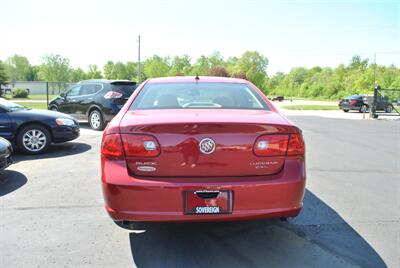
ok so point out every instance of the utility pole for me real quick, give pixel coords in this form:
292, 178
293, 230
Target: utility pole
374, 69
139, 61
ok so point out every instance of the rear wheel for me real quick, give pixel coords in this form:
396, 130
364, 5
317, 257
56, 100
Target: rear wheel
389, 108
33, 139
363, 108
345, 110
96, 120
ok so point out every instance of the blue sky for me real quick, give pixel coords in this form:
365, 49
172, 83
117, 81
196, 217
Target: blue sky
289, 33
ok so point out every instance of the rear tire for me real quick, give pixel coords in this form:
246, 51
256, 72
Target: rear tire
363, 108
96, 120
389, 108
346, 110
33, 139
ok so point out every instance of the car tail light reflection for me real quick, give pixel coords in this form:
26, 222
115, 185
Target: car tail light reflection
296, 145
113, 95
279, 145
140, 145
115, 145
271, 145
111, 146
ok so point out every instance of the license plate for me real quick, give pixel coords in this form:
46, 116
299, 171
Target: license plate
208, 202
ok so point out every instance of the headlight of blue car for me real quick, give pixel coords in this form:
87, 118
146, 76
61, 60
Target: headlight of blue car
65, 122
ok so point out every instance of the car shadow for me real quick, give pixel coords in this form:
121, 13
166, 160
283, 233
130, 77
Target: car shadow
54, 151
85, 125
318, 237
10, 181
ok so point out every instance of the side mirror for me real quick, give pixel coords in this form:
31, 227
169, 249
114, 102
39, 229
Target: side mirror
63, 95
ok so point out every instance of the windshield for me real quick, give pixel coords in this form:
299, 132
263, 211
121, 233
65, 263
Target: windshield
198, 95
10, 106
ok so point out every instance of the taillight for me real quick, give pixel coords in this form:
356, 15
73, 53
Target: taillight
113, 95
296, 145
279, 145
140, 145
111, 146
271, 145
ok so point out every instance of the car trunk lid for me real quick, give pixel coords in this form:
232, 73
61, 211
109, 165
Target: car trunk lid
180, 133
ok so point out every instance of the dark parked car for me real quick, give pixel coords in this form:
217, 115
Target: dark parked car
5, 153
278, 98
361, 103
96, 101
32, 130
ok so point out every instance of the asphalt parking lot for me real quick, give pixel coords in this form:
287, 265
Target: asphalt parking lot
52, 214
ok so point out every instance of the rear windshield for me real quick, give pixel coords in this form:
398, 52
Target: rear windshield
198, 95
353, 97
126, 89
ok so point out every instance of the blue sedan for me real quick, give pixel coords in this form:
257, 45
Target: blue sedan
33, 131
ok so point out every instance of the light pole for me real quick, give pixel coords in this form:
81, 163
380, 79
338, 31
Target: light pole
139, 60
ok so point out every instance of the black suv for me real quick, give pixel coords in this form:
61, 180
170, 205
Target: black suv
96, 101
361, 103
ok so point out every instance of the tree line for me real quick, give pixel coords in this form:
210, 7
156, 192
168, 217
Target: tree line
358, 76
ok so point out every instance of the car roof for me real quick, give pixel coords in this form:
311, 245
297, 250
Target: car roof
103, 81
202, 79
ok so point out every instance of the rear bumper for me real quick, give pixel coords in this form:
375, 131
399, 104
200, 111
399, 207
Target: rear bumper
5, 162
349, 107
162, 199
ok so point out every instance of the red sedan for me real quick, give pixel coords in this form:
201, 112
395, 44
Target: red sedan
201, 149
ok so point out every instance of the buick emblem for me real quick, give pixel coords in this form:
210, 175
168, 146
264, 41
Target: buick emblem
207, 146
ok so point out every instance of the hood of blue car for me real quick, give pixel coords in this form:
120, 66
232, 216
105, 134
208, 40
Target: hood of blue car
42, 113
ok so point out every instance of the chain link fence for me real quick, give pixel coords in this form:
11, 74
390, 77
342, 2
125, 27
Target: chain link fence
38, 87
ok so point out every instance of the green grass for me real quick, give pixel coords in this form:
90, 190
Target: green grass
314, 99
31, 97
34, 105
41, 97
311, 107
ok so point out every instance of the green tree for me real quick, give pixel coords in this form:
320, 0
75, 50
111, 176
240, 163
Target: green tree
54, 68
156, 66
180, 65
18, 68
94, 72
109, 70
131, 70
3, 74
254, 66
77, 75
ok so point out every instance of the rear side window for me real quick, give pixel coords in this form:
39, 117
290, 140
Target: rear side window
89, 89
198, 95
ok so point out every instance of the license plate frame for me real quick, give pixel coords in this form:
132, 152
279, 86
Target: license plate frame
196, 205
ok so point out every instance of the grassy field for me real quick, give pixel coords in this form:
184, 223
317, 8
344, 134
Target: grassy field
311, 107
34, 105
31, 97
